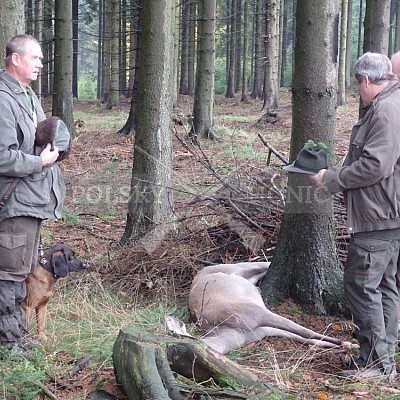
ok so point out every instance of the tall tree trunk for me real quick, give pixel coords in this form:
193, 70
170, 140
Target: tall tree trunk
123, 35
342, 55
231, 57
12, 21
202, 126
63, 49
271, 83
107, 49
349, 46
227, 37
245, 77
397, 31
113, 13
29, 17
100, 52
175, 8
257, 92
280, 36
133, 34
38, 32
150, 204
392, 25
131, 123
184, 70
376, 26
75, 38
239, 45
361, 13
192, 47
287, 43
48, 48
305, 266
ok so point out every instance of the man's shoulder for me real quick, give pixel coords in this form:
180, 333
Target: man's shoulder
391, 102
8, 84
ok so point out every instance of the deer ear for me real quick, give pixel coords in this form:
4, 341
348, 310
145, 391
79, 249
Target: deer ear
59, 264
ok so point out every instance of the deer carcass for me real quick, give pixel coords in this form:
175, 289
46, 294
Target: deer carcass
228, 306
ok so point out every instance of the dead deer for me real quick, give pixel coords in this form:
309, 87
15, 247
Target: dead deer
227, 304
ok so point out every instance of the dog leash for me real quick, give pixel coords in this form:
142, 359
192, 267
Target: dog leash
8, 192
41, 248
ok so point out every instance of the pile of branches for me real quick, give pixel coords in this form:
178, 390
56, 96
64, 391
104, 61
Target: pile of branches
240, 221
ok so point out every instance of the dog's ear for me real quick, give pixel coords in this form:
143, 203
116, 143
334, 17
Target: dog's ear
59, 263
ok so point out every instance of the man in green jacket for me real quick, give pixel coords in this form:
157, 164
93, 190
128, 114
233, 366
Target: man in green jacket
40, 190
370, 180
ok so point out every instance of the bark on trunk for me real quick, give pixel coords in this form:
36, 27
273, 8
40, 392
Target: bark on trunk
305, 266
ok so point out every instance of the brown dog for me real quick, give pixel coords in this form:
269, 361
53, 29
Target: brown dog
57, 262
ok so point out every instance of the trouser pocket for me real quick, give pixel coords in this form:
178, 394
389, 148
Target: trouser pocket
12, 256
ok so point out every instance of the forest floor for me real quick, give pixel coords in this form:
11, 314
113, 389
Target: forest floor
98, 180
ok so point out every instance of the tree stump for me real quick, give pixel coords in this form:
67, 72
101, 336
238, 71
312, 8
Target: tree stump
143, 365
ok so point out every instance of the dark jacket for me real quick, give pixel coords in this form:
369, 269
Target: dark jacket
40, 192
370, 175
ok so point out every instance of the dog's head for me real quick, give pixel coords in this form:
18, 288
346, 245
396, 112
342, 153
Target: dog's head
61, 260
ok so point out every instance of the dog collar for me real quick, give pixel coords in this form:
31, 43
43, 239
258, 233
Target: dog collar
45, 263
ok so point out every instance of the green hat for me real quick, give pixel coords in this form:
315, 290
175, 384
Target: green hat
309, 161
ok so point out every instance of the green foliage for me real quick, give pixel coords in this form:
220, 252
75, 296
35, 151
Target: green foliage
87, 87
220, 75
225, 131
236, 118
293, 311
310, 144
287, 70
243, 151
69, 217
21, 377
223, 380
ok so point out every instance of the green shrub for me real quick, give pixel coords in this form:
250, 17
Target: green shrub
22, 378
87, 87
220, 76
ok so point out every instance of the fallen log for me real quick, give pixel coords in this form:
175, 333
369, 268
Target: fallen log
143, 365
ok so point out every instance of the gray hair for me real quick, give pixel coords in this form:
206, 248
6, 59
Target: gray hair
374, 65
18, 44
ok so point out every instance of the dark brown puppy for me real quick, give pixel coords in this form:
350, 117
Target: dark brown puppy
57, 262
46, 133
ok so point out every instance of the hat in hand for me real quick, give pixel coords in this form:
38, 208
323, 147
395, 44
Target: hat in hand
309, 161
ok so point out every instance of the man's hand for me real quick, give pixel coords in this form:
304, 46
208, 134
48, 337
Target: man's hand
49, 156
317, 178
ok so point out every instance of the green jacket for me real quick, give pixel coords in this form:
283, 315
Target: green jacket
40, 191
370, 175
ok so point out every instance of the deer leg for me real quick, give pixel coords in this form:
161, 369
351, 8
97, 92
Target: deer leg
273, 320
223, 340
264, 332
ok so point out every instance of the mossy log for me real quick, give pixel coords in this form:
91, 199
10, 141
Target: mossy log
144, 362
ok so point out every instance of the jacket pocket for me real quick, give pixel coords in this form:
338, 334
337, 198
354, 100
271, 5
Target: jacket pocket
12, 253
356, 149
34, 190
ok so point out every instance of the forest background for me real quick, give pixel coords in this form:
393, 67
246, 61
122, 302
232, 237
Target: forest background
238, 79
